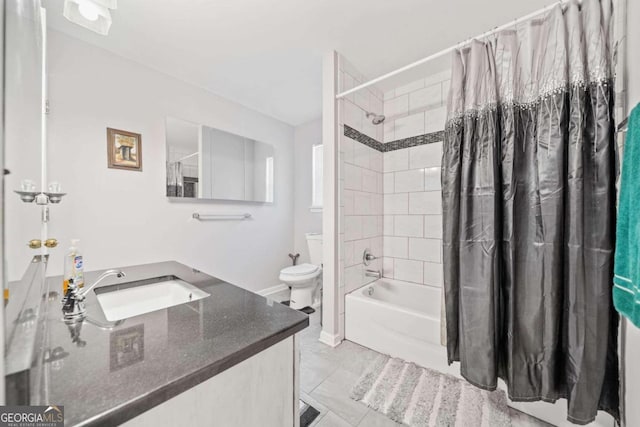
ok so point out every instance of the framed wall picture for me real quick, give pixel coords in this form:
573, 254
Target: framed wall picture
124, 150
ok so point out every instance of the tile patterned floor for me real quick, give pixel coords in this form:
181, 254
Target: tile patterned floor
328, 374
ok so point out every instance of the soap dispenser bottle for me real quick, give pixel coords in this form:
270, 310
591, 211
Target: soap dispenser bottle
73, 267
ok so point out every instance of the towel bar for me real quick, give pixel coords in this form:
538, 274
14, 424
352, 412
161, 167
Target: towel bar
205, 217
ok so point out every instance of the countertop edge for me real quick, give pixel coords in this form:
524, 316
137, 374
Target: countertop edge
143, 403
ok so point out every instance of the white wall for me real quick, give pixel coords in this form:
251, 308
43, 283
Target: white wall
632, 368
305, 221
123, 217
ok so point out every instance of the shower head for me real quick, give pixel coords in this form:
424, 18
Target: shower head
377, 118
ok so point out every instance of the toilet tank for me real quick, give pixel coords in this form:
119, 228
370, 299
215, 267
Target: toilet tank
314, 243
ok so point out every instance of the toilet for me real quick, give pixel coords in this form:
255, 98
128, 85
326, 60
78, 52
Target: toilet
304, 279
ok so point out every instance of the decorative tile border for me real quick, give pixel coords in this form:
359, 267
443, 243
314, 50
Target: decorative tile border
427, 138
364, 139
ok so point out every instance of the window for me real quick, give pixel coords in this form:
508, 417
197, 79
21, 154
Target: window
316, 159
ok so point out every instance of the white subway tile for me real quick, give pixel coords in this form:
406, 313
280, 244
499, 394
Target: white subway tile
376, 160
388, 186
347, 83
352, 177
387, 267
433, 274
379, 181
369, 129
396, 106
377, 204
353, 278
396, 247
349, 258
346, 148
438, 77
435, 119
375, 104
352, 228
362, 99
376, 246
389, 94
361, 155
388, 229
352, 115
433, 226
396, 204
369, 181
362, 203
389, 131
446, 86
431, 179
408, 270
408, 225
425, 156
413, 125
425, 203
380, 228
426, 97
410, 87
424, 249
379, 133
369, 226
397, 160
348, 202
409, 180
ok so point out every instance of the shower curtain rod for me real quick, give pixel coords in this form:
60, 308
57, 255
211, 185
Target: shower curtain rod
448, 50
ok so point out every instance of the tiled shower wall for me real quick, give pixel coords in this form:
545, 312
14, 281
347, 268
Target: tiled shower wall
413, 214
412, 194
390, 201
416, 108
361, 185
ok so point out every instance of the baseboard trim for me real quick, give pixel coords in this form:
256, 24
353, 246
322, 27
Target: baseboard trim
330, 340
272, 291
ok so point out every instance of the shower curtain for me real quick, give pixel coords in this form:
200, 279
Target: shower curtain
528, 194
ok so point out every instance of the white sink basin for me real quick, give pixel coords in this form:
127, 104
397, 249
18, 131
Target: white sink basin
133, 301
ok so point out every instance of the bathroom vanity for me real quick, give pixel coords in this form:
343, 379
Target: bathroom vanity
229, 358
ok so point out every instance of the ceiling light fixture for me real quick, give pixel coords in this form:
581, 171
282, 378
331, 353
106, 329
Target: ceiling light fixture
93, 15
88, 10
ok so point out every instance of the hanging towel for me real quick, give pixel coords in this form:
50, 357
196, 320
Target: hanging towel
626, 280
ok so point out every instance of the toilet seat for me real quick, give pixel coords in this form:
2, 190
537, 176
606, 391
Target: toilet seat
297, 274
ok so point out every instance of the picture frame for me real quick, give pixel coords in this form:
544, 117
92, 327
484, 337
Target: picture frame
124, 150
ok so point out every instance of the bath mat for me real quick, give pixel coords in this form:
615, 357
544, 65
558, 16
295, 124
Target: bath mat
421, 397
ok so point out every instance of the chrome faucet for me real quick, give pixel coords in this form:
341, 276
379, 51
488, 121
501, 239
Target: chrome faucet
73, 302
373, 273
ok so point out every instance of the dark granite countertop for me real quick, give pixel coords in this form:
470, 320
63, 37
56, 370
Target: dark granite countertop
106, 376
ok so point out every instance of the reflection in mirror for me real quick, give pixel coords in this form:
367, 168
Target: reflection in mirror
208, 163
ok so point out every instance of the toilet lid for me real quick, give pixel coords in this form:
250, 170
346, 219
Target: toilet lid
300, 270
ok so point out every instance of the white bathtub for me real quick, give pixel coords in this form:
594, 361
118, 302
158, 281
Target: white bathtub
402, 319
398, 318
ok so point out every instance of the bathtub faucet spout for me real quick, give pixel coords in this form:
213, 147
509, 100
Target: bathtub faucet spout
373, 273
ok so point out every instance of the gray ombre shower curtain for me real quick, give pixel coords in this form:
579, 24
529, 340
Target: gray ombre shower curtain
528, 178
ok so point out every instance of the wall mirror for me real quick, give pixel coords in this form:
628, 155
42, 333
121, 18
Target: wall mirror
208, 163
